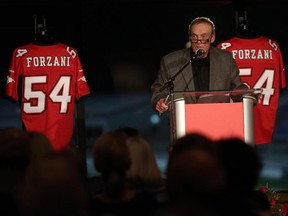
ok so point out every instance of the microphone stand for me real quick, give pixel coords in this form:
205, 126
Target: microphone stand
170, 84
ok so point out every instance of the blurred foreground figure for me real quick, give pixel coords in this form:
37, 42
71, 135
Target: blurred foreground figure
196, 180
14, 160
55, 185
112, 159
144, 173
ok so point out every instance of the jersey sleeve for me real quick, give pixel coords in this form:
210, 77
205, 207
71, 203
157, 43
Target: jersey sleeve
13, 77
82, 87
282, 83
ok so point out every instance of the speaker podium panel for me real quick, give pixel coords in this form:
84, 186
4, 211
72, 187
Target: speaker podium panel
220, 114
216, 121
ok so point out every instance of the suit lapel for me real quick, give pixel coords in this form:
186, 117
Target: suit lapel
188, 80
213, 70
186, 74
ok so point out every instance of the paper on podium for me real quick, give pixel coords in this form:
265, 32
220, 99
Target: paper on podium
210, 98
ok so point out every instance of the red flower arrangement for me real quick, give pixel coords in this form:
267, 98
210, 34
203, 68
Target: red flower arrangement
277, 208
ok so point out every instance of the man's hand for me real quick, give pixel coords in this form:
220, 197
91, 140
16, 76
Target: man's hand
161, 106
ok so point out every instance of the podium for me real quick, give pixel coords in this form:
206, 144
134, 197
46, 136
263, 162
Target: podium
215, 114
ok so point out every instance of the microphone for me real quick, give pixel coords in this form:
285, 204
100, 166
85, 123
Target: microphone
198, 54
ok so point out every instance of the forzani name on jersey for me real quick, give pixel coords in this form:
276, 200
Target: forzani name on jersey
252, 54
48, 61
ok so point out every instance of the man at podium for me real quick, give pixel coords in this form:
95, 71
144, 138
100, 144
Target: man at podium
199, 67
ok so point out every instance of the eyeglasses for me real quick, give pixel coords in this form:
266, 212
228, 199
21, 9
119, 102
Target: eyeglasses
205, 40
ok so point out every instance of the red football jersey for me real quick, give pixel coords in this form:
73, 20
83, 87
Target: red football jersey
51, 80
261, 66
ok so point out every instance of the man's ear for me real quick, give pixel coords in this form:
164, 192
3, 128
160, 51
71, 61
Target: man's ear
213, 38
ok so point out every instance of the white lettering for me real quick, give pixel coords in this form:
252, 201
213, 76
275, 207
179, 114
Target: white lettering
42, 61
36, 62
29, 59
252, 54
56, 62
48, 61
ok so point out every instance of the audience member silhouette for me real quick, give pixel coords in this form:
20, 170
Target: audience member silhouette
112, 159
14, 160
54, 185
203, 177
242, 165
144, 173
195, 178
39, 146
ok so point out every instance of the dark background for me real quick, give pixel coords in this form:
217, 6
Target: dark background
120, 44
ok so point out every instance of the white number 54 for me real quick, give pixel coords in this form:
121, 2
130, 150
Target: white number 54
265, 82
59, 94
